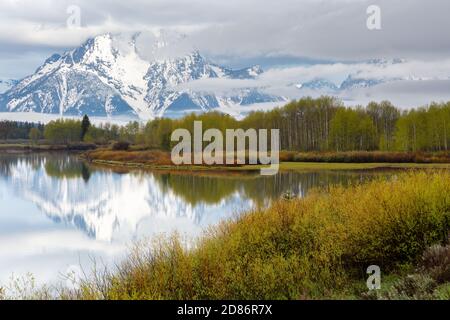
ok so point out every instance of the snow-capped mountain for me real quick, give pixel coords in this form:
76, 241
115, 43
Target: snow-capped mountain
355, 80
349, 83
6, 84
126, 75
319, 84
352, 82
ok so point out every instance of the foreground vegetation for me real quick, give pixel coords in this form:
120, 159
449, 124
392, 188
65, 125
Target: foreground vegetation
315, 247
311, 248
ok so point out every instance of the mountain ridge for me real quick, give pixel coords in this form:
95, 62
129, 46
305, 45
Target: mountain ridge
109, 75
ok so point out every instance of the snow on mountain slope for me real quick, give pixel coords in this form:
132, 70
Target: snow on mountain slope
356, 79
318, 84
115, 75
352, 82
6, 84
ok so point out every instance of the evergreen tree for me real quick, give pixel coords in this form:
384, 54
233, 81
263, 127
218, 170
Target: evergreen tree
85, 124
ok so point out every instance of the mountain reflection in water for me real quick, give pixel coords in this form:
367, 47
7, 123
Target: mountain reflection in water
54, 205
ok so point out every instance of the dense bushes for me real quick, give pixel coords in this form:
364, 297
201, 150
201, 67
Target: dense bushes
436, 262
431, 280
366, 157
301, 248
121, 145
144, 157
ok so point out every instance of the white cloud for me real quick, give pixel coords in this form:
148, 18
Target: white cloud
279, 80
332, 30
405, 94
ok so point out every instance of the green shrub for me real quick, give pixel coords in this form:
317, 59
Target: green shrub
121, 146
436, 262
314, 247
413, 287
367, 157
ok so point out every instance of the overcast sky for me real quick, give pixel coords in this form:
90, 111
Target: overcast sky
275, 33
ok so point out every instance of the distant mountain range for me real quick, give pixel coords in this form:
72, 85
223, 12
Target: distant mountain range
134, 76
353, 81
109, 76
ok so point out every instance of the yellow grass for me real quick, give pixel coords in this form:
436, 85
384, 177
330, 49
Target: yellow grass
316, 247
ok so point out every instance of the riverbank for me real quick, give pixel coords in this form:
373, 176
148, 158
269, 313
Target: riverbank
28, 147
312, 248
367, 157
160, 160
317, 247
138, 157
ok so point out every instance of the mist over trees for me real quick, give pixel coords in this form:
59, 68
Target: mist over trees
322, 124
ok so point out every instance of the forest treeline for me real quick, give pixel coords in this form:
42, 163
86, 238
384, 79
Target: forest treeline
17, 130
322, 124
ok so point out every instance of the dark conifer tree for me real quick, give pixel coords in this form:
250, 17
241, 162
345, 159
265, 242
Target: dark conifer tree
85, 124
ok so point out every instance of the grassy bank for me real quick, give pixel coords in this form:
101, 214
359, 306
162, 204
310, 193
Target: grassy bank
147, 157
312, 248
156, 159
316, 166
366, 157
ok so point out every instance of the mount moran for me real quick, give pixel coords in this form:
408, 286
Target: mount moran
115, 75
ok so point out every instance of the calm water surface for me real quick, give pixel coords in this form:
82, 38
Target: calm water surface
57, 213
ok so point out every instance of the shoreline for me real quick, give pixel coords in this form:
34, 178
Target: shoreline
29, 148
284, 166
286, 242
160, 160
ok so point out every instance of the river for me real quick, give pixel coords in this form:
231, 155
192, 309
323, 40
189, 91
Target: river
58, 214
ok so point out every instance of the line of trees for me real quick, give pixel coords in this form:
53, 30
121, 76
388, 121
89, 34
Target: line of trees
325, 124
322, 124
18, 130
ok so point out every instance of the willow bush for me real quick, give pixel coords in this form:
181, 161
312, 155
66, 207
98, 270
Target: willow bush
314, 247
